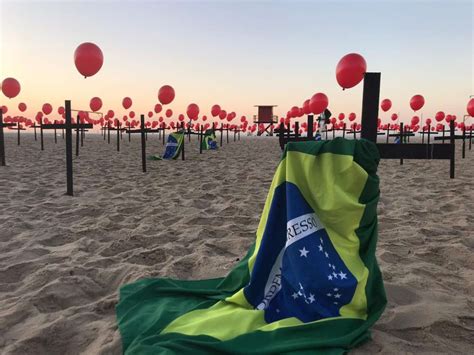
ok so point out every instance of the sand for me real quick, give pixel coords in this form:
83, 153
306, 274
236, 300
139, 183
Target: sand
63, 259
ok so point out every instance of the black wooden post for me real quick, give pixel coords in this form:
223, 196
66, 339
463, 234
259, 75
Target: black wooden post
2, 140
69, 183
297, 129
310, 126
463, 143
401, 139
164, 133
55, 136
429, 133
142, 133
34, 127
200, 139
83, 133
77, 136
326, 132
344, 130
182, 151
370, 106
470, 138
118, 136
108, 132
41, 133
222, 132
129, 133
388, 132
453, 151
62, 132
227, 132
18, 128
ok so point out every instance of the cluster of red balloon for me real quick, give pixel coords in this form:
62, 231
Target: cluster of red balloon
21, 120
350, 71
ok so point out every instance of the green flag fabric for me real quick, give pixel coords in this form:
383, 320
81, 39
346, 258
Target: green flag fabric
173, 147
209, 140
309, 284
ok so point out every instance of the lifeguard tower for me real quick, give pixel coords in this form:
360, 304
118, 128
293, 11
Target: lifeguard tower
265, 116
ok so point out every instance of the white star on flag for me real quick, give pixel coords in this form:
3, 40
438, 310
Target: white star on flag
311, 298
330, 277
337, 295
304, 252
326, 253
320, 247
294, 295
342, 275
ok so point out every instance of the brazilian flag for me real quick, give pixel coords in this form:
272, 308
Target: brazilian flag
209, 140
173, 147
309, 284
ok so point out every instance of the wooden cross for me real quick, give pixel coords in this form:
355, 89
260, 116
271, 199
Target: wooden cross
454, 136
2, 138
68, 126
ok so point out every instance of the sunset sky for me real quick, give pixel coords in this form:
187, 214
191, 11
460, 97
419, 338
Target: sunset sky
238, 53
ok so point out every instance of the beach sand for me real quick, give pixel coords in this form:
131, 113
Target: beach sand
64, 258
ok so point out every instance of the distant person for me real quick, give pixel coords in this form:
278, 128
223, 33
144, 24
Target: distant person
323, 120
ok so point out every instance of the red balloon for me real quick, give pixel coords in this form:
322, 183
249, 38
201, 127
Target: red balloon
158, 108
352, 116
386, 105
394, 117
22, 107
126, 103
88, 59
131, 114
169, 113
439, 116
341, 117
10, 87
215, 110
318, 103
192, 111
295, 111
181, 117
306, 108
160, 119
350, 70
47, 109
110, 113
415, 120
166, 94
95, 104
222, 114
417, 102
428, 121
470, 107
204, 118
4, 109
150, 114
61, 110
